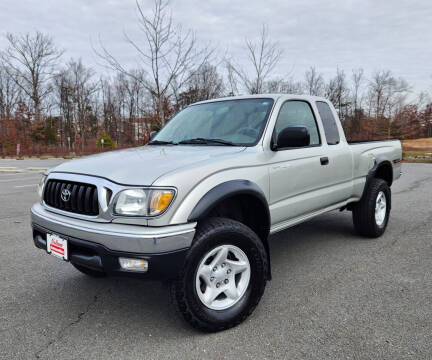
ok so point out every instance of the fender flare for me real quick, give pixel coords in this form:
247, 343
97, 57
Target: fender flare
229, 189
223, 191
380, 162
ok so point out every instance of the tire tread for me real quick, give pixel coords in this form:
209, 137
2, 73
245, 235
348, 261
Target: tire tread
364, 210
179, 297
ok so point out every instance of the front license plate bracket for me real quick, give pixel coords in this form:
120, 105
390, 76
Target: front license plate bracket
57, 246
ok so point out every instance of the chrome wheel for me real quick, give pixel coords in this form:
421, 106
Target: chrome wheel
380, 208
222, 277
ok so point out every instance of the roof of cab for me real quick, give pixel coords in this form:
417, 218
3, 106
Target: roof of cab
266, 96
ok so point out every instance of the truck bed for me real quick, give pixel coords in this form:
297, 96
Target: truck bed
365, 153
356, 142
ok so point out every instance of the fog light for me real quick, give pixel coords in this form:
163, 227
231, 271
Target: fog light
134, 264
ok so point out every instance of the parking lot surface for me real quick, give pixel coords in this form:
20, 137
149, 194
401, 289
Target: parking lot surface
334, 295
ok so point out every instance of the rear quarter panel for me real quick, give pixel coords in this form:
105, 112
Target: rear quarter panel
365, 154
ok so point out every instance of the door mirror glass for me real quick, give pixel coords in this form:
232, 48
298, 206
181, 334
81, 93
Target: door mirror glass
293, 136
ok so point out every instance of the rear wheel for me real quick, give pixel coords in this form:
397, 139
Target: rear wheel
224, 276
371, 213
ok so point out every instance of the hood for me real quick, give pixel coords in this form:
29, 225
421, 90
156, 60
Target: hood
143, 165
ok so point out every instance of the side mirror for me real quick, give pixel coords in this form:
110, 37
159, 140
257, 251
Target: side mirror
296, 136
152, 135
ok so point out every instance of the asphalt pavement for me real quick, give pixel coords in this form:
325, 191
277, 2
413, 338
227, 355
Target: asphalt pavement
334, 295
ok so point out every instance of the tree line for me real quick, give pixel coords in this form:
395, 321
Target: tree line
52, 105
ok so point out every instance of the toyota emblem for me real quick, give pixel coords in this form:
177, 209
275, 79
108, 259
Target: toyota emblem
65, 195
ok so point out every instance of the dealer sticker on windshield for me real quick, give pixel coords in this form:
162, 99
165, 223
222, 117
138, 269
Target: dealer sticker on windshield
57, 246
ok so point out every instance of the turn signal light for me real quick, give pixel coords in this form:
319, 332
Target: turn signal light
160, 201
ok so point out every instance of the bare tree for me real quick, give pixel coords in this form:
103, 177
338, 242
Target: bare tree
385, 94
168, 54
357, 78
384, 91
356, 111
75, 88
314, 82
63, 92
284, 86
9, 100
85, 87
10, 94
133, 93
337, 92
30, 60
428, 119
263, 57
111, 112
204, 84
231, 79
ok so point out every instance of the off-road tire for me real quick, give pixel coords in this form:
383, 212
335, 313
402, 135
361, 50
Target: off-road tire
364, 211
211, 233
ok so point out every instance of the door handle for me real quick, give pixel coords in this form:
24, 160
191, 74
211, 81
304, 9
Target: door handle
324, 160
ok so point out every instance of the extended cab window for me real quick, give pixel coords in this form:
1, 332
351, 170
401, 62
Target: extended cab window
297, 113
329, 123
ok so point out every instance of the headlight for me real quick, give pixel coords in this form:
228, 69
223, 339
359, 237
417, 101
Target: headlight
131, 202
41, 185
142, 202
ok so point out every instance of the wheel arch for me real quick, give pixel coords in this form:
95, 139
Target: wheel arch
240, 200
382, 169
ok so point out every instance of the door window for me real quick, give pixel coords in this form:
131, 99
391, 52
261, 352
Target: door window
297, 113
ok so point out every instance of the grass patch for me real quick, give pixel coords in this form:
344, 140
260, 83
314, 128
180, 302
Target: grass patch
417, 156
418, 145
423, 161
417, 150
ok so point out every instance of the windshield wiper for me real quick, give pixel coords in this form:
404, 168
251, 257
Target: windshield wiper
162, 142
207, 141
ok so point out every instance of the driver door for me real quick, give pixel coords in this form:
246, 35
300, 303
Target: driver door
296, 186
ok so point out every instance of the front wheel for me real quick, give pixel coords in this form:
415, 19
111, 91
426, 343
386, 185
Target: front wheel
224, 276
371, 213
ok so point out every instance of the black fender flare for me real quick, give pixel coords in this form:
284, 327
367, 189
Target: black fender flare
229, 189
223, 191
380, 162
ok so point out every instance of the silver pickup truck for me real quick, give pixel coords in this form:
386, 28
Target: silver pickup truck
196, 205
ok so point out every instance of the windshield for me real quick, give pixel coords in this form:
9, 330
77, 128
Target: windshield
230, 122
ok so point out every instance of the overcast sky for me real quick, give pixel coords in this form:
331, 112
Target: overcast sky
372, 34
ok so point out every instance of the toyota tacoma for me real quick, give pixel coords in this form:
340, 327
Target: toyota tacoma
197, 204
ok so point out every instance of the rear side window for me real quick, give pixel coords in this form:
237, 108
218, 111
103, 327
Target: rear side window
329, 123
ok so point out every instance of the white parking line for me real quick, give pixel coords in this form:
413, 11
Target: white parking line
22, 186
11, 174
18, 179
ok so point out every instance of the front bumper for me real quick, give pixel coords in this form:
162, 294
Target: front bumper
98, 245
